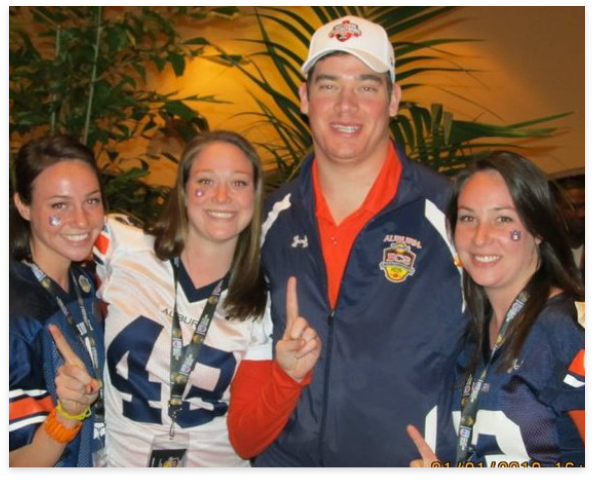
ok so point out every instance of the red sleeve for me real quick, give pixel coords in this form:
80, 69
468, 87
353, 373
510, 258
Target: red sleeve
579, 418
263, 397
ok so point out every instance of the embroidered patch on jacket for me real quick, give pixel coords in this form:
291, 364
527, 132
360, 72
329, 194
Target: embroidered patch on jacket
399, 259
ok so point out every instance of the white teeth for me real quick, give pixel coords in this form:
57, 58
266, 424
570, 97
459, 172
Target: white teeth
77, 238
221, 214
485, 259
345, 129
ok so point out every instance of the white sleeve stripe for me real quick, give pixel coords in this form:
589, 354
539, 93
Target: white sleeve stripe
278, 207
29, 393
25, 423
573, 382
431, 428
437, 218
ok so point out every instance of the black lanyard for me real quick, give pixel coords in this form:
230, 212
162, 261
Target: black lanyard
472, 389
183, 359
83, 330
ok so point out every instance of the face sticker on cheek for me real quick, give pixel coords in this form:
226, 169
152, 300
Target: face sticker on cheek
55, 220
199, 192
515, 235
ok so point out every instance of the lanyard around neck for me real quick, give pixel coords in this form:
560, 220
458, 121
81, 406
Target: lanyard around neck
183, 359
473, 389
83, 330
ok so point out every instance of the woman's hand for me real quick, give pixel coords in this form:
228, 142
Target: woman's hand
75, 388
428, 458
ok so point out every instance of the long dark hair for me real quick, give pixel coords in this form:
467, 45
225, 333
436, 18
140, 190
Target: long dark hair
33, 158
540, 213
246, 296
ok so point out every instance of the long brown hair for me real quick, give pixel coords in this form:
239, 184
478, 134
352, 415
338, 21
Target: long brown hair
539, 212
33, 158
246, 296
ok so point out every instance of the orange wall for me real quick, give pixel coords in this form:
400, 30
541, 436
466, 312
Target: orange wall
531, 62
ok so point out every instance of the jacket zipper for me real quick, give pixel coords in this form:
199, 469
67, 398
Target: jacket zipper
329, 347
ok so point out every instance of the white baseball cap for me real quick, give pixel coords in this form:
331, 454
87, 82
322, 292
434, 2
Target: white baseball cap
361, 38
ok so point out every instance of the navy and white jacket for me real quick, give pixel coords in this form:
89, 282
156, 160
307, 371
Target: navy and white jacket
390, 345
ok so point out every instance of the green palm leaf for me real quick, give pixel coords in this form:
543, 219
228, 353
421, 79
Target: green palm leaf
429, 135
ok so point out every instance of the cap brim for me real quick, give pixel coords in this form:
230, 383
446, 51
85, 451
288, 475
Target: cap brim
369, 60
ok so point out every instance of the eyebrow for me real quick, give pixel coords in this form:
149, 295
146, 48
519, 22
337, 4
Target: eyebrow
363, 77
94, 192
497, 209
242, 172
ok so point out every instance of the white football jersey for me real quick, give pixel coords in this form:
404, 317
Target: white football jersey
139, 291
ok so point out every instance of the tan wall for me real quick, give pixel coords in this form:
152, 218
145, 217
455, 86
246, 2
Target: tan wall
531, 62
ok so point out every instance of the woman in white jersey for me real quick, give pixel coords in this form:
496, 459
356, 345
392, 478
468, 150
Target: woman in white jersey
186, 304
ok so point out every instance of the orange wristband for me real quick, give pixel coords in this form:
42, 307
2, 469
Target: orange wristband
54, 428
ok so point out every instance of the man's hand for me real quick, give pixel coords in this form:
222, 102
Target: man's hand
299, 349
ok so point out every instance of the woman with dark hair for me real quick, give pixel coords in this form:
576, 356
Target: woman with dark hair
186, 304
55, 218
521, 388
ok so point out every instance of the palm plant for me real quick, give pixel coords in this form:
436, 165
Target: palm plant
83, 71
428, 134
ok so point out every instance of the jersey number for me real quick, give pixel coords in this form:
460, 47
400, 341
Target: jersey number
137, 341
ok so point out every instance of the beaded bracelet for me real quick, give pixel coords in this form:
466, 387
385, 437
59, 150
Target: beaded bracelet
57, 431
65, 414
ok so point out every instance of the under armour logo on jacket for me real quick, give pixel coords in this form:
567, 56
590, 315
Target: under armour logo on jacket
302, 242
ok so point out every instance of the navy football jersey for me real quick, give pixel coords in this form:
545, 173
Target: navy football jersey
522, 417
34, 359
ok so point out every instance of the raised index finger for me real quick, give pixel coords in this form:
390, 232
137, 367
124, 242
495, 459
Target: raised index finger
292, 303
70, 358
423, 447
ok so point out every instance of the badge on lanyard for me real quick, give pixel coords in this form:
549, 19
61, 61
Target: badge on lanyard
167, 452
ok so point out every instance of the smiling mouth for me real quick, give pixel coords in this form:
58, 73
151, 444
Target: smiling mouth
486, 258
345, 128
77, 238
221, 215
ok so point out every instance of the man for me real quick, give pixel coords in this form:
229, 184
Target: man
363, 231
571, 194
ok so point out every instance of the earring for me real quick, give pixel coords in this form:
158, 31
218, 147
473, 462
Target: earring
54, 220
458, 262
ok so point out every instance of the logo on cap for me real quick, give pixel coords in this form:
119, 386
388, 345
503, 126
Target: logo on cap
345, 30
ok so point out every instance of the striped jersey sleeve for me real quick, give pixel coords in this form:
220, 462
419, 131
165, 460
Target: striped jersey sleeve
29, 400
